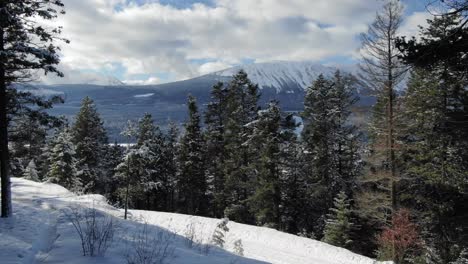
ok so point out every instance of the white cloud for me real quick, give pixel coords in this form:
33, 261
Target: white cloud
410, 24
153, 38
210, 67
150, 80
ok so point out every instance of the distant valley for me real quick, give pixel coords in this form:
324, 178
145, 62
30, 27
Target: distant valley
118, 102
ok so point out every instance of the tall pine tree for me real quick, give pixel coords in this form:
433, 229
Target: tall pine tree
91, 141
192, 185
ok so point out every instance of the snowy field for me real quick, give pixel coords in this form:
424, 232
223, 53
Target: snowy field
41, 232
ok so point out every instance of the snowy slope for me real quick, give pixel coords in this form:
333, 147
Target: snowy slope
39, 232
281, 74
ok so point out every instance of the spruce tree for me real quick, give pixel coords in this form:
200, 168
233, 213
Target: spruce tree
339, 225
62, 162
215, 121
435, 132
30, 173
241, 109
192, 185
434, 164
331, 144
151, 137
170, 166
25, 46
91, 141
294, 182
266, 139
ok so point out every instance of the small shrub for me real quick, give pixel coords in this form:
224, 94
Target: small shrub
238, 247
147, 247
96, 230
219, 233
399, 240
195, 240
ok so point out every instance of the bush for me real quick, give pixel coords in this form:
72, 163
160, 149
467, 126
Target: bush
238, 247
219, 233
195, 240
150, 247
96, 230
400, 240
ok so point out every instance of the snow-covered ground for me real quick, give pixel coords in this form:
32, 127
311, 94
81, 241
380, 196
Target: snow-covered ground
40, 232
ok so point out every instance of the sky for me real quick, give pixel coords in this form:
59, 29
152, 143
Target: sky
157, 41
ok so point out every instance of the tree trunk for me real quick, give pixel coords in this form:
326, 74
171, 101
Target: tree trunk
4, 155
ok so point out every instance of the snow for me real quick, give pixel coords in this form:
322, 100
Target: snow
40, 232
143, 95
281, 73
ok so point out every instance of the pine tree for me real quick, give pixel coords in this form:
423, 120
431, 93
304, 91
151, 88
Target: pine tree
192, 184
25, 45
339, 224
152, 160
331, 143
170, 165
114, 155
294, 182
436, 135
124, 173
62, 162
91, 141
434, 167
29, 126
30, 173
266, 139
241, 109
215, 121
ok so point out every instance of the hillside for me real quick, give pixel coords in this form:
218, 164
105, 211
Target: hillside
40, 232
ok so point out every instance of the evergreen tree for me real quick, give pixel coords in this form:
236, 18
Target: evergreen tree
124, 173
266, 138
331, 143
114, 155
90, 139
152, 160
339, 225
435, 168
215, 120
62, 162
29, 125
241, 109
192, 184
25, 46
170, 166
435, 132
30, 173
294, 184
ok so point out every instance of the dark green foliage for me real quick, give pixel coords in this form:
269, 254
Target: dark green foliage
241, 109
215, 120
191, 183
90, 139
266, 139
331, 144
339, 224
435, 167
25, 46
62, 161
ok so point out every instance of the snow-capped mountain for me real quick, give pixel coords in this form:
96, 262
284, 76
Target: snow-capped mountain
281, 75
107, 80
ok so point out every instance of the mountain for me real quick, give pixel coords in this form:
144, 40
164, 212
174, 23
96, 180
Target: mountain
282, 81
281, 75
